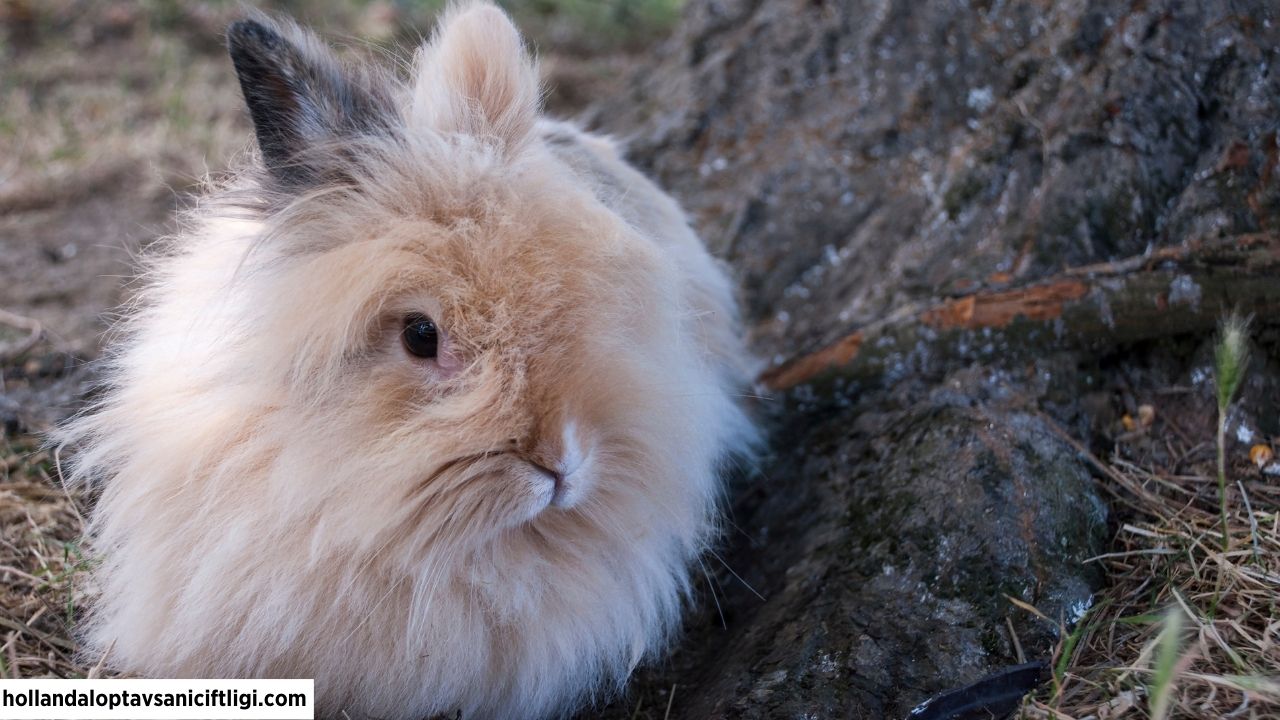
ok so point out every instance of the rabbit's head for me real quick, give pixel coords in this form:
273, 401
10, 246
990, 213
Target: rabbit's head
433, 365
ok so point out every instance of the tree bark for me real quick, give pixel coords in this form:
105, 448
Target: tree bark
966, 232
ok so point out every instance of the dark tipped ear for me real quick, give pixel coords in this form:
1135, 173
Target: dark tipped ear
301, 99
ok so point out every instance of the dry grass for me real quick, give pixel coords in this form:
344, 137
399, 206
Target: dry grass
1167, 557
40, 560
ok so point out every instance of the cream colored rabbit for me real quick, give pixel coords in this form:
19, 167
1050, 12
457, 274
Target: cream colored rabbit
429, 403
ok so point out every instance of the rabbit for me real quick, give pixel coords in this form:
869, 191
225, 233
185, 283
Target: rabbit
431, 401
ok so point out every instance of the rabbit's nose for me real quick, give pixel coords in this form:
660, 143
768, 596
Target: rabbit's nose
559, 488
555, 475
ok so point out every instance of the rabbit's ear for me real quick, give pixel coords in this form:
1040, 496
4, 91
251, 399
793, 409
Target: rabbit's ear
301, 98
476, 78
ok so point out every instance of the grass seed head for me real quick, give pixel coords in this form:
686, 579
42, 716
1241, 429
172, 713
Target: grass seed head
1230, 357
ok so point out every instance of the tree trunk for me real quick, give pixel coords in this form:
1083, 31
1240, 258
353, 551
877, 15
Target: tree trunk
946, 217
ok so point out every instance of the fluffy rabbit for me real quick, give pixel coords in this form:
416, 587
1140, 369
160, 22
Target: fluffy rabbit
428, 403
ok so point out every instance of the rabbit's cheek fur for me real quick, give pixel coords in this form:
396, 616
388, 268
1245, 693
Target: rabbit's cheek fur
504, 530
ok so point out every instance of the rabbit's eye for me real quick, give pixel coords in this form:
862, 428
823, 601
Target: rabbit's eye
420, 336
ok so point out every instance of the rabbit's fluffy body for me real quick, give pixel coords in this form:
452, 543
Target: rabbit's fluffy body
505, 530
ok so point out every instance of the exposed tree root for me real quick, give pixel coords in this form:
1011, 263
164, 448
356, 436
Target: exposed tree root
1172, 290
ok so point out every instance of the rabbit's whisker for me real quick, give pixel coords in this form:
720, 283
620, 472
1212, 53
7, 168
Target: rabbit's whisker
463, 461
